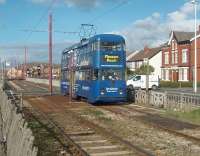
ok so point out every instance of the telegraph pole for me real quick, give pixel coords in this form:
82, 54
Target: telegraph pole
146, 60
195, 2
50, 53
25, 61
195, 51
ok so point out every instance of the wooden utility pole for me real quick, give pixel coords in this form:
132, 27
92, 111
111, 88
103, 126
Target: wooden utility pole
50, 53
25, 61
146, 61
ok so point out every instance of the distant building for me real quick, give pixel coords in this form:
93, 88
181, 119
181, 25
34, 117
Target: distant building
14, 73
176, 57
41, 70
153, 54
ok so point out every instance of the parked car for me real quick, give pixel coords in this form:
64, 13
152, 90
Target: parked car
139, 81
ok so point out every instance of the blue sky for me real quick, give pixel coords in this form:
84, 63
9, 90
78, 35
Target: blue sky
141, 22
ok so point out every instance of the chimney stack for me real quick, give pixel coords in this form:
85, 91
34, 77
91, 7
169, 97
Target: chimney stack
198, 31
146, 49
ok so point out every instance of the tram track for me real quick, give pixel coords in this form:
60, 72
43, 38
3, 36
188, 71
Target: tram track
57, 105
105, 136
67, 143
155, 121
30, 115
91, 139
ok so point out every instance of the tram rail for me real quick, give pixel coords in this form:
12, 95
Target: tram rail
119, 110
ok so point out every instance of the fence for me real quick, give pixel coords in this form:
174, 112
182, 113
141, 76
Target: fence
16, 138
168, 100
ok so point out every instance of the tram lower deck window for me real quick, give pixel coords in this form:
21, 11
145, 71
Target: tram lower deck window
111, 74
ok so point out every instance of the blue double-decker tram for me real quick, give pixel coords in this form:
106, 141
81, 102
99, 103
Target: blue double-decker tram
95, 68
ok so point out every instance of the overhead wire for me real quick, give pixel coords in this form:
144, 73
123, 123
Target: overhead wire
108, 11
31, 31
40, 19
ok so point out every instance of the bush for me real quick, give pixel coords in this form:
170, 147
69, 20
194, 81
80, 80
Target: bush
169, 84
144, 69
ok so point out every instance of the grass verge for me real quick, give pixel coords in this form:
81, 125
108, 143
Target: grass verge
192, 117
97, 114
44, 140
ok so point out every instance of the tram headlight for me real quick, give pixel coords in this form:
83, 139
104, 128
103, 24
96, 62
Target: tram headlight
102, 91
120, 91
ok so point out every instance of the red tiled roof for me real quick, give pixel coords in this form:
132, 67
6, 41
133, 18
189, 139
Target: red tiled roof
148, 53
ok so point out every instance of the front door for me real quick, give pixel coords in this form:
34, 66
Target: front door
175, 75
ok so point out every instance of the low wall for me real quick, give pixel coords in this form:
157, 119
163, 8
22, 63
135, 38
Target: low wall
15, 137
168, 100
55, 83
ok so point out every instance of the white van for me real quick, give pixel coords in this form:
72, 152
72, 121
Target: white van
139, 81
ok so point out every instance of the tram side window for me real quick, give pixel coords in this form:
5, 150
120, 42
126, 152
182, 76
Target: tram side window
83, 75
111, 46
67, 75
95, 74
94, 46
63, 60
87, 75
63, 76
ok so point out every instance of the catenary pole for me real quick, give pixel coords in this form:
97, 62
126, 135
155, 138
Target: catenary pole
195, 50
25, 61
50, 53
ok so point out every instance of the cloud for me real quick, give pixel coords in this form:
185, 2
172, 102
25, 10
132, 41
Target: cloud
155, 29
83, 4
87, 4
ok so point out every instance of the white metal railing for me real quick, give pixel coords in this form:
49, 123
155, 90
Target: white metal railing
168, 100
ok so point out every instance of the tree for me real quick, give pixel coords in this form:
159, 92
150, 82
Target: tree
143, 70
129, 72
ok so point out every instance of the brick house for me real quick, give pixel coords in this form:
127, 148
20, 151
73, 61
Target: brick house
198, 56
153, 54
176, 57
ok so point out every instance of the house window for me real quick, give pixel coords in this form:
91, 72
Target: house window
183, 74
165, 74
166, 58
173, 55
184, 56
176, 57
180, 74
175, 45
172, 44
136, 65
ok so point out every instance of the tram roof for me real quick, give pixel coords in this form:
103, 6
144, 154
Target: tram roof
108, 37
104, 37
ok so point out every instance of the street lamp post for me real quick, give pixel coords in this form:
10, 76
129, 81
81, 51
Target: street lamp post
194, 2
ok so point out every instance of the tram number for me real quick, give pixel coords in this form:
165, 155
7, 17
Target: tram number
111, 90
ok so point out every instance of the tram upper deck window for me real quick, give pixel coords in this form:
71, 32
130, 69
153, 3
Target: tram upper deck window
111, 46
95, 46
